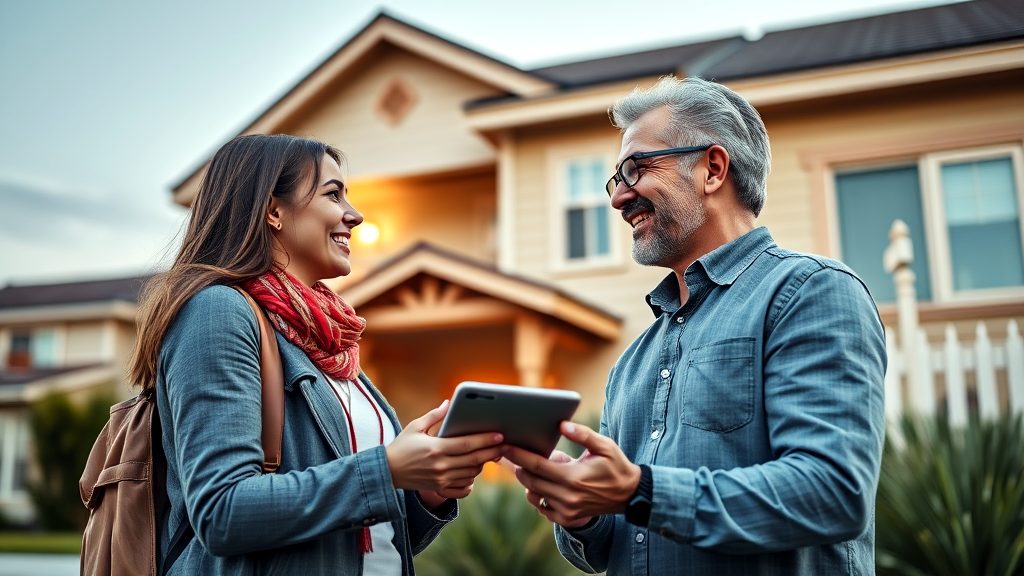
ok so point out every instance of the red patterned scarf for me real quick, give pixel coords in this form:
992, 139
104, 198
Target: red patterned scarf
314, 319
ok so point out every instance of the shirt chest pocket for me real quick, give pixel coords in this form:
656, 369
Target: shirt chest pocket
718, 386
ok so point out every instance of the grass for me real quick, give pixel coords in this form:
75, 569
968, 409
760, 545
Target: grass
41, 542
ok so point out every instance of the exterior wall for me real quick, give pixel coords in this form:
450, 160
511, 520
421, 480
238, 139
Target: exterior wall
432, 137
455, 211
619, 287
807, 142
84, 343
417, 370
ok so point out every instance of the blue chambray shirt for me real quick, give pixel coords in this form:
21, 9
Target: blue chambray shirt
759, 407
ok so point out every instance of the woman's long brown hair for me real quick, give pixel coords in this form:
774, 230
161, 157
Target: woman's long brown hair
228, 239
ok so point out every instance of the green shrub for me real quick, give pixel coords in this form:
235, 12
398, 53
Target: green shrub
497, 534
63, 434
951, 500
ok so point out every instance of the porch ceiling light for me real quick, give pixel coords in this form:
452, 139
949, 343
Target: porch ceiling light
367, 233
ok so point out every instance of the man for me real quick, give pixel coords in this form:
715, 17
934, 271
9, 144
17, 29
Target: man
742, 431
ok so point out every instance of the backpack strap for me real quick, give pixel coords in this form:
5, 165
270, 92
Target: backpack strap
272, 377
272, 407
182, 536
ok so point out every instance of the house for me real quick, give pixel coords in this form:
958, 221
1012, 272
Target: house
69, 338
492, 253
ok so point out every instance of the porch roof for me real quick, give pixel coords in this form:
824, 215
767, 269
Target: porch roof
463, 274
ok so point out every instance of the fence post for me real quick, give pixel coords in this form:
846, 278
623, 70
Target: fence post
1015, 366
985, 368
897, 260
956, 389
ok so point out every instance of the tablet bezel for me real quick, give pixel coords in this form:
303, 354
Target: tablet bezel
527, 417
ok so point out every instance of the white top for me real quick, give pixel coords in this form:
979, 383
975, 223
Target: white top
384, 560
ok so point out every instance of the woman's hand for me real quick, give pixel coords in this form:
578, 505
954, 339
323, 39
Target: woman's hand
447, 466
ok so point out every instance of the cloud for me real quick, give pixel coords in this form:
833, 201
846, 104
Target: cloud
46, 232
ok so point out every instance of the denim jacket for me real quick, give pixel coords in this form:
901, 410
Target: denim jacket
759, 407
303, 519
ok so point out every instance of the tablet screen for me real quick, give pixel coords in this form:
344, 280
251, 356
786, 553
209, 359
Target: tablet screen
527, 417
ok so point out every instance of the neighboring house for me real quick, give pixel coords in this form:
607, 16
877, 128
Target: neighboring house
498, 257
72, 338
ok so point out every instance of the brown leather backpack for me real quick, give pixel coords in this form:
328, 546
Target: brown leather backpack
124, 482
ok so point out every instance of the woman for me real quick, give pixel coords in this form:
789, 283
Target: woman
354, 493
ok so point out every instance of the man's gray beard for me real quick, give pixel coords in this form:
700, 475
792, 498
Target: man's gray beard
652, 250
661, 249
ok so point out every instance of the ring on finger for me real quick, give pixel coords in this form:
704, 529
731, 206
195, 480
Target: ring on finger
544, 502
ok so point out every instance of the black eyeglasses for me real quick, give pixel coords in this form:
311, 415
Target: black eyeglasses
629, 172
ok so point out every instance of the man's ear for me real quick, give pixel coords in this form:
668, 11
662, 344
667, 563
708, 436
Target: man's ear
718, 168
274, 214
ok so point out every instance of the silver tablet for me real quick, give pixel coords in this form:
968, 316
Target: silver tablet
527, 417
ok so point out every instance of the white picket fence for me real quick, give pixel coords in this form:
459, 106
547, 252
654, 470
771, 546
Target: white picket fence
952, 373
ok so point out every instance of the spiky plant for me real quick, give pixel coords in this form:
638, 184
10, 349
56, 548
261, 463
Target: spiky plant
497, 534
951, 500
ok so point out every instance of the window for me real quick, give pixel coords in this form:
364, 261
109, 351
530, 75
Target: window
586, 236
13, 455
963, 209
33, 349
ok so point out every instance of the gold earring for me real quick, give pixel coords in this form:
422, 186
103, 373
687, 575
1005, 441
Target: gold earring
278, 226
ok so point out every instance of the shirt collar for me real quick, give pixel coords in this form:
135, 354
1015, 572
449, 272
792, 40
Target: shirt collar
721, 266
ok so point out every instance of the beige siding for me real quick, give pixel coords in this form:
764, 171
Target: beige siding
432, 137
619, 288
84, 343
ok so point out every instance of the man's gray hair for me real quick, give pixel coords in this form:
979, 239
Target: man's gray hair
708, 113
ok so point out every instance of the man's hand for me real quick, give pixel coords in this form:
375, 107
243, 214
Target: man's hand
570, 492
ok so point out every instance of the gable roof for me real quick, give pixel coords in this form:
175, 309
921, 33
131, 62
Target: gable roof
426, 259
385, 29
587, 86
89, 291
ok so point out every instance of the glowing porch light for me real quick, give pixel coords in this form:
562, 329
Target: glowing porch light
367, 233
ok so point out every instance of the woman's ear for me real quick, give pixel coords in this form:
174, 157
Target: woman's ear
718, 168
274, 214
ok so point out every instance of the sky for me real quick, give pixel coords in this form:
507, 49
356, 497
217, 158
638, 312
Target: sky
105, 105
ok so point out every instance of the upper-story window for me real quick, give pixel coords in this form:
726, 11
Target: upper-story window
586, 210
964, 212
583, 223
32, 348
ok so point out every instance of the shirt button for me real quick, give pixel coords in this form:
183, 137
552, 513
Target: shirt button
655, 434
679, 320
639, 538
665, 373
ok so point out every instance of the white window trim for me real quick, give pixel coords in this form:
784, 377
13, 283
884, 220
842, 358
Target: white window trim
558, 159
937, 235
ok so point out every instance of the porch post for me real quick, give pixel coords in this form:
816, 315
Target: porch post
533, 343
897, 259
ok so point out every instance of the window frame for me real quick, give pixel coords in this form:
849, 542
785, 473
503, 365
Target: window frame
937, 233
559, 161
13, 447
929, 164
